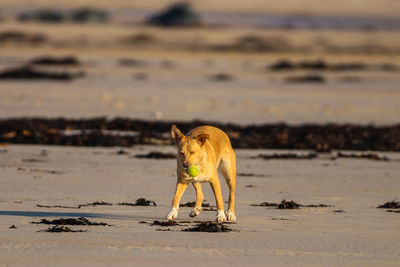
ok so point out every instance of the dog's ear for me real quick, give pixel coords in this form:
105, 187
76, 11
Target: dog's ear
201, 138
176, 134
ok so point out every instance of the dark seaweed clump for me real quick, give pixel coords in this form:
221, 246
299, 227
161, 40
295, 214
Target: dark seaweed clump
289, 205
287, 156
59, 229
308, 78
157, 155
193, 203
390, 205
165, 223
93, 132
210, 227
30, 73
176, 15
71, 221
140, 202
62, 61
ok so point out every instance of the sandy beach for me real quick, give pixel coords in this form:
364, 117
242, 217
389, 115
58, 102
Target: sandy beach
351, 232
279, 66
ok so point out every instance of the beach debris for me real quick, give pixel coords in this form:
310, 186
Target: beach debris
80, 15
371, 156
316, 65
396, 211
286, 156
307, 78
29, 73
131, 62
32, 160
250, 186
390, 205
165, 223
59, 229
209, 227
97, 203
12, 227
221, 77
282, 65
245, 174
122, 152
289, 205
90, 132
139, 202
61, 61
22, 37
38, 170
42, 15
338, 211
140, 39
193, 203
176, 15
72, 221
88, 15
156, 155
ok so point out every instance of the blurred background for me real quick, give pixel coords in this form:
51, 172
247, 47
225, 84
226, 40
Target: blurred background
244, 62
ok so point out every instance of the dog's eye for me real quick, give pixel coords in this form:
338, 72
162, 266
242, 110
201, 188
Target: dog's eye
181, 153
192, 152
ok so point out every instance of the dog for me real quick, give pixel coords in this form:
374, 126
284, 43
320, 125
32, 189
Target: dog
210, 149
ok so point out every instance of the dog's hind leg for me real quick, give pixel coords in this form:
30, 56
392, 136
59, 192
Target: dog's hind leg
199, 200
227, 167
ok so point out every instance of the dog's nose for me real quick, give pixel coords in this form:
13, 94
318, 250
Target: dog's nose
185, 165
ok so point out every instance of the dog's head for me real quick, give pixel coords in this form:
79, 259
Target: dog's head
190, 149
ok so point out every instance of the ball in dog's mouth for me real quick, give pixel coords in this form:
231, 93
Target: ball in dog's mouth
193, 171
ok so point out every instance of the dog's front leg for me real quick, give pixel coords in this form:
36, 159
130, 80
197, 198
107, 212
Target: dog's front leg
180, 189
199, 200
216, 187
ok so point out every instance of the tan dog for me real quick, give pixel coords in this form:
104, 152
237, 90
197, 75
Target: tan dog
210, 149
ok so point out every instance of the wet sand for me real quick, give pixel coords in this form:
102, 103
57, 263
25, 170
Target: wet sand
359, 234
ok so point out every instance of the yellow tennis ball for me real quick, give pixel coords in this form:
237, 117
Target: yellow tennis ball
193, 171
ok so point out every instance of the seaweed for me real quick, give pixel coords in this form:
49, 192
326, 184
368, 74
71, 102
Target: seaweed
156, 155
59, 229
209, 227
165, 223
72, 221
289, 205
390, 205
139, 202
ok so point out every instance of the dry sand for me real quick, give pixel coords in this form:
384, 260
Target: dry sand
361, 235
175, 84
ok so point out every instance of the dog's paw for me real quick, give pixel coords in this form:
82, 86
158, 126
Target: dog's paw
196, 211
221, 216
230, 215
173, 214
